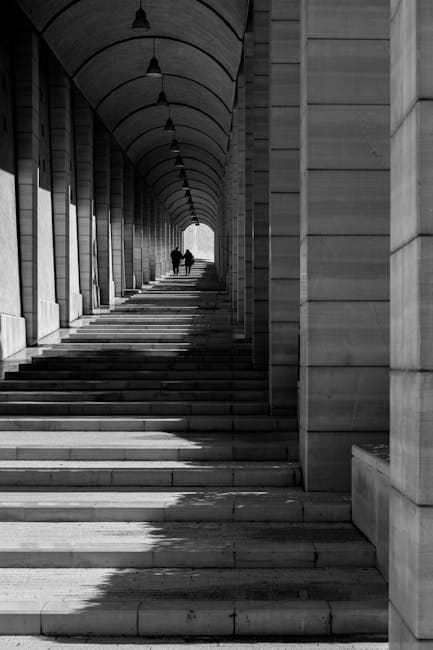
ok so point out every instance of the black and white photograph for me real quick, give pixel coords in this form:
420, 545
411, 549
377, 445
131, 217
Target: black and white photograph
216, 324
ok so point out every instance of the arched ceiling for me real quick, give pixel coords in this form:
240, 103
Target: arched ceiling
198, 44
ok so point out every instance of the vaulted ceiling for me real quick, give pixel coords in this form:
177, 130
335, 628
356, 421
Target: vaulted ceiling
198, 44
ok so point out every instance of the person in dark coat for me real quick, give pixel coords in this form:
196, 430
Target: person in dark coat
189, 261
176, 257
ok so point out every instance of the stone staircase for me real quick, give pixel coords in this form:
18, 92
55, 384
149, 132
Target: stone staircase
145, 490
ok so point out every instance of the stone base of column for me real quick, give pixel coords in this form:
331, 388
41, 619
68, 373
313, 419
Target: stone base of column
401, 638
48, 318
12, 335
76, 306
326, 457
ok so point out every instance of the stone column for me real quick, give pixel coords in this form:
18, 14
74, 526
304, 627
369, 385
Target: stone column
146, 236
344, 235
284, 164
117, 217
138, 232
128, 214
64, 196
261, 183
249, 180
411, 511
102, 211
150, 211
233, 212
87, 247
34, 187
158, 234
12, 324
240, 124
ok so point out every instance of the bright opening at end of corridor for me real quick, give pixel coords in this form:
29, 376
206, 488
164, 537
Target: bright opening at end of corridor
200, 240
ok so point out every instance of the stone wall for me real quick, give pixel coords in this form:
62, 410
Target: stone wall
344, 373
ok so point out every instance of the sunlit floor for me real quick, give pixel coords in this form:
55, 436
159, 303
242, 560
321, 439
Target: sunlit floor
40, 643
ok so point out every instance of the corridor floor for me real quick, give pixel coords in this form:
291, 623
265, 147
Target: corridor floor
146, 490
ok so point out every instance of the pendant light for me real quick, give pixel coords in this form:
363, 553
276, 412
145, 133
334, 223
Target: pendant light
140, 22
169, 125
185, 185
162, 97
188, 194
153, 69
179, 162
174, 148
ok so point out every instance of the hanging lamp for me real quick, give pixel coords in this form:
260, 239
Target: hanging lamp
185, 185
140, 21
162, 97
179, 162
174, 148
153, 69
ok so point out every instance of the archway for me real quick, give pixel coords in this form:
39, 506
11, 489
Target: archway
201, 241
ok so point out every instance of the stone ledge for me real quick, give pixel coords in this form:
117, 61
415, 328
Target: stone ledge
370, 497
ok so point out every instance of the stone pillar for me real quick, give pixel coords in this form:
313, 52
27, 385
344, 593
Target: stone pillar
158, 234
87, 246
146, 236
411, 511
284, 164
151, 218
249, 180
34, 187
138, 240
261, 183
128, 214
12, 324
102, 211
117, 217
64, 196
232, 206
344, 235
241, 143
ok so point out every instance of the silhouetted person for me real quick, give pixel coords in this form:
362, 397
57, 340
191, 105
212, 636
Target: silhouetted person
176, 256
189, 261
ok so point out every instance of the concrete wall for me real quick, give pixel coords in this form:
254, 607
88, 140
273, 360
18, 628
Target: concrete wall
344, 234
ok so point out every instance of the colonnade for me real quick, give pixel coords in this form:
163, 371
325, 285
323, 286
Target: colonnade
79, 226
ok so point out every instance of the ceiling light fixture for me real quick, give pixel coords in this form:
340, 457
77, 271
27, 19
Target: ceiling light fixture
140, 22
162, 97
185, 185
179, 161
153, 69
174, 148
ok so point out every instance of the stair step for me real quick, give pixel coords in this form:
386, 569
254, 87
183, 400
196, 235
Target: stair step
133, 408
20, 383
210, 545
143, 396
198, 423
171, 504
82, 445
147, 473
153, 602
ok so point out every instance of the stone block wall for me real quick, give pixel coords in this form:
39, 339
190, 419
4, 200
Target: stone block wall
344, 234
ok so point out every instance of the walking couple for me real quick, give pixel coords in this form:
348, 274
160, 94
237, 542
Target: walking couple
176, 257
